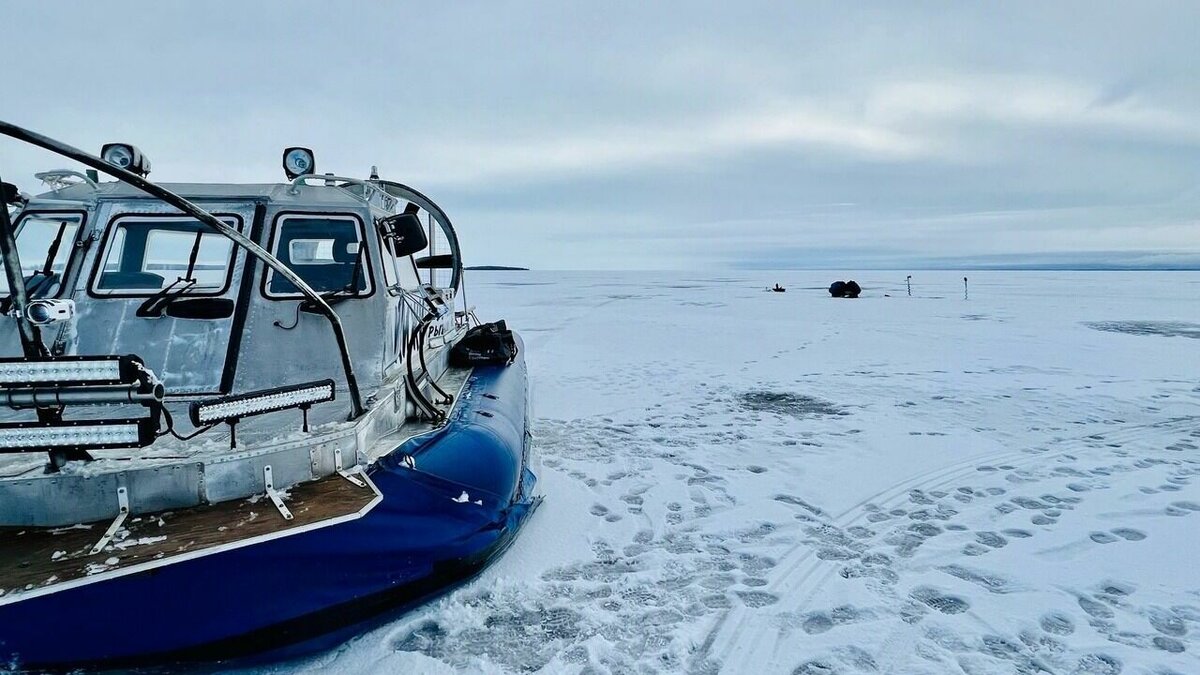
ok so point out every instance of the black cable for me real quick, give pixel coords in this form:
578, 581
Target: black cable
424, 366
279, 324
171, 427
425, 404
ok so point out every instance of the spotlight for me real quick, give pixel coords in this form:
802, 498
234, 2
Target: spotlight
298, 162
42, 312
127, 157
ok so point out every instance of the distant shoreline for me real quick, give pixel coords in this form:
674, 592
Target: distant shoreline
496, 268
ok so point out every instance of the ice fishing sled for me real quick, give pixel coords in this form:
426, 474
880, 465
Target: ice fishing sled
230, 426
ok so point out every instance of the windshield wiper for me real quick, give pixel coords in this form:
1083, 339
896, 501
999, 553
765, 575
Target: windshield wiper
346, 292
192, 259
52, 253
157, 303
33, 284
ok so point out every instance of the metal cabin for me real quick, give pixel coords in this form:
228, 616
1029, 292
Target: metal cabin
223, 331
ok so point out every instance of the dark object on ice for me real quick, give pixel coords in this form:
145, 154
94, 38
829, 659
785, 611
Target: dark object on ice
1164, 328
779, 289
485, 344
845, 289
788, 403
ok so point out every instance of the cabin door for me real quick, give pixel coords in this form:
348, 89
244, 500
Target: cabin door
165, 287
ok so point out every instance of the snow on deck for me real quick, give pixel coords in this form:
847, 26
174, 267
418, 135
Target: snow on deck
744, 481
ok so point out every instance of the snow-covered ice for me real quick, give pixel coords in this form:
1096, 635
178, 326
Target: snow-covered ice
743, 481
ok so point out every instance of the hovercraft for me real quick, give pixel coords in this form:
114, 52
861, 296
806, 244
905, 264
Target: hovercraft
240, 421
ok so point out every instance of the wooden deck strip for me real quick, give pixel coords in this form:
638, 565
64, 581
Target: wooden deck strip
35, 558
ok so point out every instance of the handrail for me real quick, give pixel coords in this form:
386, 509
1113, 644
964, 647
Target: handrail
207, 218
300, 180
402, 191
55, 179
399, 191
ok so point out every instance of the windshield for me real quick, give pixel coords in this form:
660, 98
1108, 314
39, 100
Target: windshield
145, 254
44, 243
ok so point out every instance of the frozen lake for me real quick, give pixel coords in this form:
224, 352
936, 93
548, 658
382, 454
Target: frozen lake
744, 481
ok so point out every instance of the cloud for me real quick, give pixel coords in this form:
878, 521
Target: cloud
637, 134
664, 144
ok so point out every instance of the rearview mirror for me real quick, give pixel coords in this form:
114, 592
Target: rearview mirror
403, 234
11, 195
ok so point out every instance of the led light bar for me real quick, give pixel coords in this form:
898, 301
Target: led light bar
64, 370
259, 402
22, 372
88, 434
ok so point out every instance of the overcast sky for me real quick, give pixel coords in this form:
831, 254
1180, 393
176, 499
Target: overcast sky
587, 135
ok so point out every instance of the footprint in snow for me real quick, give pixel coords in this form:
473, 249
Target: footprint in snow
1057, 623
756, 599
939, 601
1097, 664
1167, 623
1096, 610
991, 539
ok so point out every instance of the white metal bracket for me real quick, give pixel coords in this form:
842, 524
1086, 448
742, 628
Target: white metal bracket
348, 474
123, 503
276, 498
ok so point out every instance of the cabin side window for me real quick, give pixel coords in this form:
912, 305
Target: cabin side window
407, 269
45, 242
326, 251
145, 254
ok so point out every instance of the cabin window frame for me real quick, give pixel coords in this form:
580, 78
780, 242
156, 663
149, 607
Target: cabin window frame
110, 230
387, 262
396, 268
277, 224
69, 268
